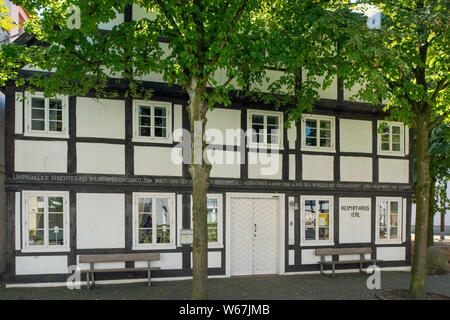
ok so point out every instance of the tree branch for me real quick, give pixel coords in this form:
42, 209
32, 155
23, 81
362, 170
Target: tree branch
439, 119
442, 84
227, 35
170, 18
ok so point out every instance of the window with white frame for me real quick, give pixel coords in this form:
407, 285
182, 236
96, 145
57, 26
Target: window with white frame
214, 220
318, 133
391, 139
154, 220
389, 219
265, 129
46, 116
316, 219
152, 121
45, 218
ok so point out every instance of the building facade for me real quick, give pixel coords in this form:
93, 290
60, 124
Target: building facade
106, 176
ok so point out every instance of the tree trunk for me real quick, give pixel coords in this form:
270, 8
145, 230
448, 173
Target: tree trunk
419, 271
430, 240
200, 172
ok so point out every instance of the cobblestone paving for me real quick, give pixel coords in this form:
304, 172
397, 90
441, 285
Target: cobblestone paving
307, 287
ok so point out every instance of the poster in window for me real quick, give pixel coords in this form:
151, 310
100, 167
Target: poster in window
323, 220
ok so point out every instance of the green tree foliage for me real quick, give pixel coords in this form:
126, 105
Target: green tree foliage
406, 62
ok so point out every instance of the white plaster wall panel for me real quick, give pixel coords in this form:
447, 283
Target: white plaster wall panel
18, 220
291, 257
225, 164
40, 156
177, 121
167, 261
221, 77
309, 257
292, 135
330, 93
406, 140
103, 118
157, 161
391, 253
100, 220
100, 158
155, 76
292, 166
221, 120
102, 265
355, 224
140, 13
317, 167
355, 135
18, 127
351, 94
356, 169
41, 265
214, 259
264, 165
349, 257
119, 18
393, 170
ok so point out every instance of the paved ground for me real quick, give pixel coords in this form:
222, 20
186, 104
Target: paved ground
345, 286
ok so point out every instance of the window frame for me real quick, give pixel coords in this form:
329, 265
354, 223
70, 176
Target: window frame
26, 247
389, 152
400, 213
318, 118
265, 145
152, 104
330, 241
172, 209
219, 243
46, 132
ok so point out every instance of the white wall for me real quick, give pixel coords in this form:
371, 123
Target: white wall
356, 169
317, 167
225, 164
391, 253
222, 119
309, 257
157, 161
41, 265
393, 170
100, 220
103, 118
40, 156
265, 165
100, 158
355, 135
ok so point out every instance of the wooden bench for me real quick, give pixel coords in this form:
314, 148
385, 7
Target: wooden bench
92, 259
341, 252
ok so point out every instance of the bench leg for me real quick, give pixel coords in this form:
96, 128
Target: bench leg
334, 273
88, 285
149, 278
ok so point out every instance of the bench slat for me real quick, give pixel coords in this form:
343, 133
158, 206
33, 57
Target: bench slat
118, 257
342, 251
121, 270
350, 261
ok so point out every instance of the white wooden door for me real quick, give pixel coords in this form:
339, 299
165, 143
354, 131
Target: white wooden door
253, 224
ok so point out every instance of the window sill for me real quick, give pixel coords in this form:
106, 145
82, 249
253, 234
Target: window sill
153, 140
316, 243
45, 249
63, 135
391, 153
154, 247
387, 242
318, 149
255, 146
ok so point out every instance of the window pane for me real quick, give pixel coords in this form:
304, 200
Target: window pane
56, 236
55, 115
36, 204
38, 125
38, 103
385, 146
160, 112
38, 114
324, 233
55, 104
311, 141
311, 124
383, 233
162, 221
272, 120
325, 134
325, 124
395, 147
145, 111
160, 122
212, 219
145, 205
326, 143
394, 207
395, 130
145, 132
272, 139
145, 235
310, 220
394, 233
160, 132
36, 237
144, 121
395, 138
55, 204
257, 118
55, 126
